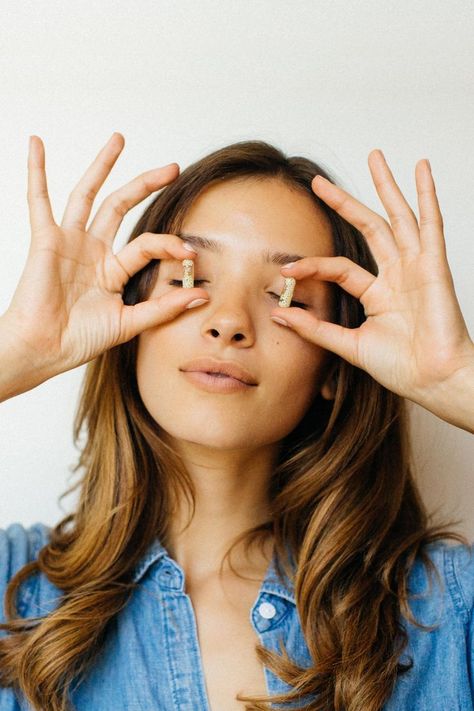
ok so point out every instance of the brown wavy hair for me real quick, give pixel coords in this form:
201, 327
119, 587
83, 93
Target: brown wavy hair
343, 501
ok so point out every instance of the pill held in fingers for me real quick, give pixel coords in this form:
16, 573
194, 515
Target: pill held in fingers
285, 297
188, 273
287, 293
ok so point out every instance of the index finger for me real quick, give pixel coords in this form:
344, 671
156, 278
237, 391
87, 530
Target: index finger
39, 206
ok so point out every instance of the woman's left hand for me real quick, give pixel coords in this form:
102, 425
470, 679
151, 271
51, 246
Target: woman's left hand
414, 340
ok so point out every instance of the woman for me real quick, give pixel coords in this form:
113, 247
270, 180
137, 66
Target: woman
294, 456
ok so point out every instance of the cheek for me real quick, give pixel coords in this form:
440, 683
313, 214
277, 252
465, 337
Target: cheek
154, 351
160, 351
143, 368
298, 368
160, 343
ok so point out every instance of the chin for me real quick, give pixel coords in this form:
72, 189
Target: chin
214, 436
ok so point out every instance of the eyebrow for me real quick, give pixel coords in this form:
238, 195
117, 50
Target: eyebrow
212, 245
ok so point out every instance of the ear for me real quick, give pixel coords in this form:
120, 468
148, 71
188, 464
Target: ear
328, 388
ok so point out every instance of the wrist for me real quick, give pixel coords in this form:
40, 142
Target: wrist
452, 399
19, 367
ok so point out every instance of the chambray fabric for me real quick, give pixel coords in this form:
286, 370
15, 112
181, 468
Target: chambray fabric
151, 658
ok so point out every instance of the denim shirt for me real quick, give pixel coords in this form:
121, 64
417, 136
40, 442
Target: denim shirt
151, 659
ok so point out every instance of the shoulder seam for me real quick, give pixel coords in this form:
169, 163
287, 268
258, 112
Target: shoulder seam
454, 584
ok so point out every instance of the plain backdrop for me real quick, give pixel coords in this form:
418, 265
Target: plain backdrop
327, 79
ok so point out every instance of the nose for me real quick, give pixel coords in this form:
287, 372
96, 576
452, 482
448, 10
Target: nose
228, 318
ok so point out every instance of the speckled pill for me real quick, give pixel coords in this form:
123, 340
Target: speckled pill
188, 273
287, 293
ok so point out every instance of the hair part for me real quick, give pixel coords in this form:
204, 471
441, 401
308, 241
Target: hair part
347, 518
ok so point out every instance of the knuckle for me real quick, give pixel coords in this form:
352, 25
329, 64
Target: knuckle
37, 193
117, 204
344, 272
374, 225
142, 244
342, 202
88, 195
148, 181
398, 219
432, 220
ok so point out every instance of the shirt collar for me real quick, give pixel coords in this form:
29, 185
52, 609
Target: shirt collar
152, 555
273, 583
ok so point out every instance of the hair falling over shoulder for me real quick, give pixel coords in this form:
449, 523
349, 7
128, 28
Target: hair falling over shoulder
343, 501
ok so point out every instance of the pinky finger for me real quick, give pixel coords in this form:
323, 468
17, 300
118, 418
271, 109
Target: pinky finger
338, 339
41, 214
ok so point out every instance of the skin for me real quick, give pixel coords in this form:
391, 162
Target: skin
414, 340
229, 442
67, 308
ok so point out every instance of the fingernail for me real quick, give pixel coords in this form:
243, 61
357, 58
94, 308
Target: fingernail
196, 302
428, 163
279, 320
286, 266
189, 248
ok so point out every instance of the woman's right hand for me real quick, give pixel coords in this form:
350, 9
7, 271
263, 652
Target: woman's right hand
67, 308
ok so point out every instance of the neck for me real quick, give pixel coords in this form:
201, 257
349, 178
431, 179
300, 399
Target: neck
231, 488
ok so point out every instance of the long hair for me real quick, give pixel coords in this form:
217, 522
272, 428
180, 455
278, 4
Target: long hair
346, 515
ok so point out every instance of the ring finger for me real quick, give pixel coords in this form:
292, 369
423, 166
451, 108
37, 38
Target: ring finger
401, 216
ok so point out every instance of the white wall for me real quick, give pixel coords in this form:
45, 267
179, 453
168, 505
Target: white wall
330, 80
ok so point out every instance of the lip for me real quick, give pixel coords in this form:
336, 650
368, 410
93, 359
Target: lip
226, 367
215, 383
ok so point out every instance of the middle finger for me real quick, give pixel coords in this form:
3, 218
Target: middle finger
79, 204
110, 214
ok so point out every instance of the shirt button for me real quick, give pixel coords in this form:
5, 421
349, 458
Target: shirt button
267, 610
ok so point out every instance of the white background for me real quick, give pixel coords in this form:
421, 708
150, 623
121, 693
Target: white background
329, 80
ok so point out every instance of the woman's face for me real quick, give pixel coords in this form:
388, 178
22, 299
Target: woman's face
246, 218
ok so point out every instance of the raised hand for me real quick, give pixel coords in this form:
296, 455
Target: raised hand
67, 307
414, 340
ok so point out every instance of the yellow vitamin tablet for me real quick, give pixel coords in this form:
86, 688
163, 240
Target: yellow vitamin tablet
287, 293
188, 273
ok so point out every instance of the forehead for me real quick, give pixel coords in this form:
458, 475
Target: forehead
258, 216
